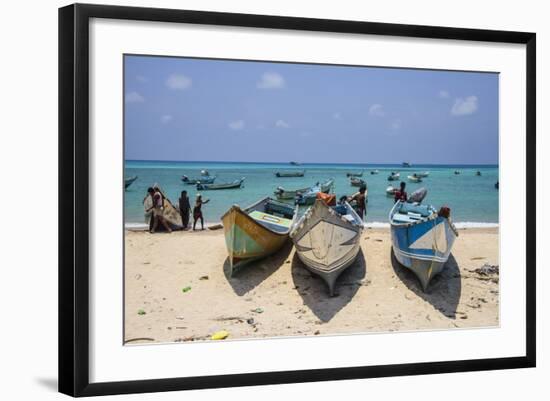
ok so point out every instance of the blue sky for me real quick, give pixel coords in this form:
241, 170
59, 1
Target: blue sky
192, 109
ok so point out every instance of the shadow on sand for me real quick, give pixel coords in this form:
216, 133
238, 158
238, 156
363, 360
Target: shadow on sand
252, 275
443, 292
314, 290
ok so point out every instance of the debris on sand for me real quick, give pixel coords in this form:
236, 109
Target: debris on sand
203, 278
215, 227
186, 289
487, 270
220, 335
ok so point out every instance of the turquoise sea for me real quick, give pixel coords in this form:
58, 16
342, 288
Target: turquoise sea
473, 199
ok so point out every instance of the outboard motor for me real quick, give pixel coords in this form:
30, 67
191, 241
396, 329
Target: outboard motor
418, 195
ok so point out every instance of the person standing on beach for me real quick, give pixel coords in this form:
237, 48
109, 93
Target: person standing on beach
400, 194
185, 208
158, 210
361, 199
197, 211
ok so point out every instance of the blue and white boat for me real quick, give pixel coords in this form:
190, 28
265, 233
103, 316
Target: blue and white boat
308, 197
422, 238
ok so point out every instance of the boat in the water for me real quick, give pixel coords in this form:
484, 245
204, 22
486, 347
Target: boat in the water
129, 181
281, 174
406, 164
478, 173
205, 173
414, 178
295, 163
391, 190
393, 176
257, 231
284, 194
496, 185
308, 197
356, 182
195, 181
422, 238
327, 239
423, 174
170, 213
457, 172
354, 174
226, 185
373, 172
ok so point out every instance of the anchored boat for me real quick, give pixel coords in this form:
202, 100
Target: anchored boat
414, 178
129, 181
308, 197
393, 176
356, 182
257, 231
354, 174
373, 172
391, 190
422, 238
290, 173
283, 194
202, 180
227, 185
423, 174
327, 239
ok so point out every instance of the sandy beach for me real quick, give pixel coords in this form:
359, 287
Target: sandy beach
177, 289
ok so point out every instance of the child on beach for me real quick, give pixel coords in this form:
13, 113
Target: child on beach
185, 208
197, 211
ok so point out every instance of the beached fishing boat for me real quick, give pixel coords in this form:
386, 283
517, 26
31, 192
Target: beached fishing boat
390, 190
422, 238
423, 174
290, 173
257, 231
195, 181
356, 174
373, 172
393, 176
283, 194
226, 185
414, 178
129, 181
327, 239
356, 182
170, 213
308, 197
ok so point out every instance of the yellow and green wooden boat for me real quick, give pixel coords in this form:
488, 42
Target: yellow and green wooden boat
257, 231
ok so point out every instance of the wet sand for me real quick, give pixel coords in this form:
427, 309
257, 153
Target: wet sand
177, 288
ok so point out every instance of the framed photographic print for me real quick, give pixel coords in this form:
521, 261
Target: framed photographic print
251, 199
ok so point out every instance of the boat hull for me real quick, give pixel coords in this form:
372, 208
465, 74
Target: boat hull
424, 248
247, 240
326, 243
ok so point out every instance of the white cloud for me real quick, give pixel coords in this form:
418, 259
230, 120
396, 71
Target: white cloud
271, 80
377, 110
134, 97
465, 106
337, 116
165, 119
236, 125
395, 125
443, 94
281, 124
141, 78
178, 82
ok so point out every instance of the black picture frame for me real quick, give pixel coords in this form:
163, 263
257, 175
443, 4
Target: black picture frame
74, 201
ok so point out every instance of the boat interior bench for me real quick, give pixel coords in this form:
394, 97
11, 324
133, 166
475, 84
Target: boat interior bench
279, 224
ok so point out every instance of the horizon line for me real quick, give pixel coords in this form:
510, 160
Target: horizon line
305, 163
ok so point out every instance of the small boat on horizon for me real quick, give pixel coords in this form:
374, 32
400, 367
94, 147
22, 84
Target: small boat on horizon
257, 231
457, 172
227, 185
282, 174
373, 172
129, 181
327, 239
406, 164
295, 163
195, 181
308, 197
422, 238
